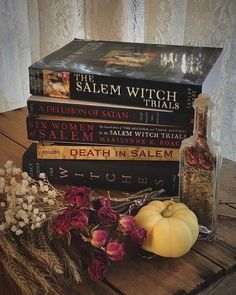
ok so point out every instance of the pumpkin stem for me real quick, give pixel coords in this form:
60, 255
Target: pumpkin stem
166, 212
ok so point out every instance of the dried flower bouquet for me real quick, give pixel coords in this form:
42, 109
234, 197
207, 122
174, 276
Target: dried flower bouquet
49, 237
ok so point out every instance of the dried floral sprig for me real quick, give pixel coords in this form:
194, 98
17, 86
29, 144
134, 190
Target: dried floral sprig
25, 267
34, 216
34, 211
101, 232
27, 207
26, 202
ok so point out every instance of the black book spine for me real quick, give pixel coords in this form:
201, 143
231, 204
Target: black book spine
121, 175
108, 113
158, 95
105, 133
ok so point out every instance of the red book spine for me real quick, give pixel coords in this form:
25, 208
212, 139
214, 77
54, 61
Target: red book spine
105, 112
105, 133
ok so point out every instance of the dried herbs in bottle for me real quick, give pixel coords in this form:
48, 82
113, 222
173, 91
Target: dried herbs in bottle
198, 169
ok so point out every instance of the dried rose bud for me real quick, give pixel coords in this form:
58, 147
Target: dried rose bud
78, 218
61, 224
138, 236
107, 215
126, 223
98, 268
78, 196
115, 250
101, 202
99, 238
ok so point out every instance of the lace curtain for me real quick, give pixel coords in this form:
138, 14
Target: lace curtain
32, 29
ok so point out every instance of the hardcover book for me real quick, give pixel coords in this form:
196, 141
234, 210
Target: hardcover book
91, 110
115, 153
121, 175
96, 132
163, 77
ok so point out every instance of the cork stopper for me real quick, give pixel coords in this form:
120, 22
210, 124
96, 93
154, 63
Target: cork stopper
203, 101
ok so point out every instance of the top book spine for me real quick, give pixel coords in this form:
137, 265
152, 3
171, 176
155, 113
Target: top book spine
161, 77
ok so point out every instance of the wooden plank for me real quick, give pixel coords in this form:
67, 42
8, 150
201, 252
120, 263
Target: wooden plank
93, 288
226, 231
163, 275
218, 253
13, 126
226, 211
226, 286
87, 288
227, 225
5, 288
10, 151
232, 205
228, 181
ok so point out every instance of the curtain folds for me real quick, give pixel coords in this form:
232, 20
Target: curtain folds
15, 54
30, 29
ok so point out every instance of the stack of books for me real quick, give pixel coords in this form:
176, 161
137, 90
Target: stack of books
114, 114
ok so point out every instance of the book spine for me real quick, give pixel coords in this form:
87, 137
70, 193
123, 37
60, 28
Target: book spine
159, 95
114, 153
111, 133
109, 113
121, 175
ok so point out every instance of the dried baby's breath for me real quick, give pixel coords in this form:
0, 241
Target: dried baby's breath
26, 202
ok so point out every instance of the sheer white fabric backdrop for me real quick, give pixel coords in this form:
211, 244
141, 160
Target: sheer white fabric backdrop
32, 29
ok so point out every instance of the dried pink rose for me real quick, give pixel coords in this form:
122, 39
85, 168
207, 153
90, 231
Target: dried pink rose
115, 250
138, 236
71, 217
126, 223
107, 215
99, 238
61, 224
98, 268
101, 202
78, 217
78, 196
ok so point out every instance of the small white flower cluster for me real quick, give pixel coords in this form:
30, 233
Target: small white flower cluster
24, 201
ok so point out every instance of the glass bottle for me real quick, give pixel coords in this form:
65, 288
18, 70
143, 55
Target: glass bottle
198, 184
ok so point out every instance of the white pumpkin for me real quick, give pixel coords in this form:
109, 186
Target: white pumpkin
172, 228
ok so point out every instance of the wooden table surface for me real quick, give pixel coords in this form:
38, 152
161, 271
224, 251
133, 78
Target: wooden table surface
209, 268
